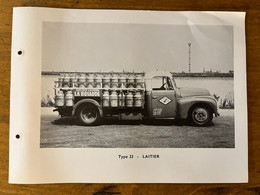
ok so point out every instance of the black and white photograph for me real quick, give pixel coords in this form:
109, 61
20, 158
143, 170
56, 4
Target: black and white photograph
119, 85
159, 96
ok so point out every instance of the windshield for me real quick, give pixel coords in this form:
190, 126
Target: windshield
174, 83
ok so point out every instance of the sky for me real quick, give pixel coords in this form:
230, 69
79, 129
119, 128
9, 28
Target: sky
138, 47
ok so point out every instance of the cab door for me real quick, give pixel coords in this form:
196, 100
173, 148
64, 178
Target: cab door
163, 96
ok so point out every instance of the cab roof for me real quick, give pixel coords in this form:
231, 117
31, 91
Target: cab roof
151, 74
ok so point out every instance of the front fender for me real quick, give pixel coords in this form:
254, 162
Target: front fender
184, 104
87, 101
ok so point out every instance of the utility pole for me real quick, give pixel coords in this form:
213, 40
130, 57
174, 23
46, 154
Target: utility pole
189, 57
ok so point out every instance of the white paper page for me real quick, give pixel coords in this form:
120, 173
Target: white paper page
115, 40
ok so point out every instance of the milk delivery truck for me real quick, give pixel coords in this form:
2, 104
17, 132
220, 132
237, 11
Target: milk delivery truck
131, 96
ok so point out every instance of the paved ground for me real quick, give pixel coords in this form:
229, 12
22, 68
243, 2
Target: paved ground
59, 132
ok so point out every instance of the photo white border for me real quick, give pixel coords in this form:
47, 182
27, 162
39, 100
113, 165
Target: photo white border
28, 163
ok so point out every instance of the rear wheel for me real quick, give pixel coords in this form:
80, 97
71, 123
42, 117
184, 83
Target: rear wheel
88, 114
201, 116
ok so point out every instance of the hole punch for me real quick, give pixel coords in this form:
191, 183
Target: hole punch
17, 136
19, 52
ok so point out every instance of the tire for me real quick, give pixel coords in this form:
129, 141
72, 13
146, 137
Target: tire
201, 116
88, 114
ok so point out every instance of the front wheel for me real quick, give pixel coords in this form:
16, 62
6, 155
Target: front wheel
201, 116
88, 114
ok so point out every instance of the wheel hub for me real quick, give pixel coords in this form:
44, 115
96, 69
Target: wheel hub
89, 115
200, 115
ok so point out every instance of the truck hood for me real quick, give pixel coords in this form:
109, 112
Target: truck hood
188, 91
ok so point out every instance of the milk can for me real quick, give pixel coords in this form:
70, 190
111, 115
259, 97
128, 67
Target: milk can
122, 81
139, 81
138, 99
130, 81
69, 99
66, 80
105, 99
90, 81
98, 81
121, 99
129, 99
113, 99
114, 81
82, 80
106, 81
74, 81
59, 99
60, 80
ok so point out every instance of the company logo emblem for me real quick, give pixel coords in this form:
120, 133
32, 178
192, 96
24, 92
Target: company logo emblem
165, 100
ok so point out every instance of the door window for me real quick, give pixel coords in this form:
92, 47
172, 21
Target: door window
162, 83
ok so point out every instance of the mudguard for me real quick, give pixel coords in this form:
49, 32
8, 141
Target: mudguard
87, 101
184, 105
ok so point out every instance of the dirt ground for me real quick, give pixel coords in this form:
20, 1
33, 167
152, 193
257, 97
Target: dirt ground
57, 132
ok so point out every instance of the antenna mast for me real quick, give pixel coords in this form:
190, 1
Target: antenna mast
189, 57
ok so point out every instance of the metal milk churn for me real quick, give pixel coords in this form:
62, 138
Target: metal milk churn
66, 80
59, 99
60, 80
139, 81
98, 81
105, 101
90, 81
122, 81
137, 99
82, 80
129, 99
113, 99
71, 77
69, 98
114, 81
130, 81
74, 81
106, 81
121, 99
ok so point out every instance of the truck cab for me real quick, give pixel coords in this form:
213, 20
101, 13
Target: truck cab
156, 96
167, 101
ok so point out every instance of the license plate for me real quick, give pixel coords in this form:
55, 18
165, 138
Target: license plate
87, 93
